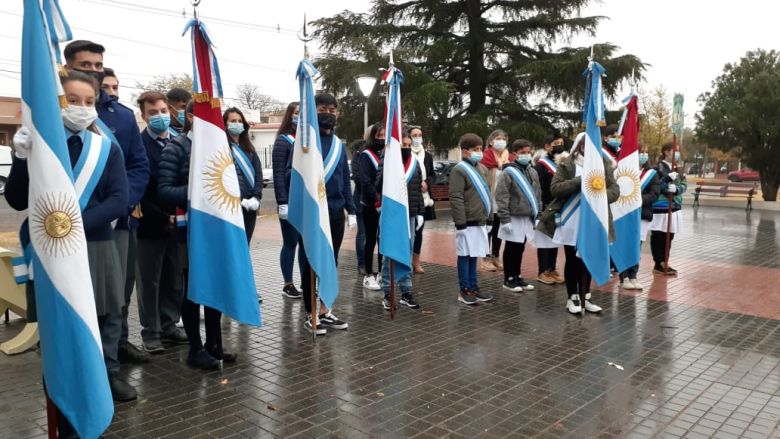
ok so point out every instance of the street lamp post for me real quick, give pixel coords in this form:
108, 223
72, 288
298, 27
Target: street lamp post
366, 85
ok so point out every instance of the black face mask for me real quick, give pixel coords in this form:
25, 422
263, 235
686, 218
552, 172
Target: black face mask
377, 145
406, 153
326, 121
558, 150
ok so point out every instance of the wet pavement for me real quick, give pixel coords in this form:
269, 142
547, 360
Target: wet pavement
693, 356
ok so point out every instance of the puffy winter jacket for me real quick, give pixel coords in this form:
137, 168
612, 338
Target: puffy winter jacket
174, 172
510, 199
413, 191
465, 203
282, 151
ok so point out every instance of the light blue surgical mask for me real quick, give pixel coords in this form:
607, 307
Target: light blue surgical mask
181, 117
475, 157
159, 122
643, 158
235, 128
523, 159
295, 120
614, 143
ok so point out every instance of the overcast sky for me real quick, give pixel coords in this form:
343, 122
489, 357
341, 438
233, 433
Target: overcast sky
687, 42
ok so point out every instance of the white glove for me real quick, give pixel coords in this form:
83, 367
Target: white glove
420, 222
351, 221
488, 229
22, 143
673, 176
283, 211
250, 203
672, 189
505, 229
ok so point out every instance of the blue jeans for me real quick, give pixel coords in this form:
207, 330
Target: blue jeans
360, 238
467, 272
403, 275
290, 239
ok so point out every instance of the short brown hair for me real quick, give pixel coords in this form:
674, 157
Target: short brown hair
150, 97
520, 144
470, 140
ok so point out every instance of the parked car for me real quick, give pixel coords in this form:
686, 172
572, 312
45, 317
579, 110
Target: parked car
5, 166
744, 174
440, 190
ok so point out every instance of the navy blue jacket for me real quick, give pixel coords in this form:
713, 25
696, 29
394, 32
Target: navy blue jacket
282, 152
107, 203
155, 222
174, 176
366, 179
338, 188
247, 190
121, 121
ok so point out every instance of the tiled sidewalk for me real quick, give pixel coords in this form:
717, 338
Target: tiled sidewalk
517, 367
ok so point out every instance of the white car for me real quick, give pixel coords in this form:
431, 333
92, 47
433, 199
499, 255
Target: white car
5, 166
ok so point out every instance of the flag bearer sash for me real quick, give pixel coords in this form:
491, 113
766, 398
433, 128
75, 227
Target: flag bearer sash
646, 178
410, 168
244, 163
522, 182
480, 184
549, 164
373, 157
333, 157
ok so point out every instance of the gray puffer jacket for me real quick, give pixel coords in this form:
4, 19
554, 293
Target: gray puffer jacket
510, 199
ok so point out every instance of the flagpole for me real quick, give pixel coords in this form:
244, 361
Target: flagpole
675, 147
51, 415
392, 289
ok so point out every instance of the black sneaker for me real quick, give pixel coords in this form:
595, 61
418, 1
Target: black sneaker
659, 269
129, 354
121, 390
386, 303
408, 300
202, 360
467, 297
226, 357
482, 297
331, 321
512, 284
320, 330
291, 292
525, 285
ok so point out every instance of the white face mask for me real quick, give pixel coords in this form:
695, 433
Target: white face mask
499, 145
77, 118
417, 143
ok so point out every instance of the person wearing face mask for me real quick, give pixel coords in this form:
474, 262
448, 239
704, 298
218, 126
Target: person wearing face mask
368, 168
282, 151
160, 293
546, 250
518, 198
339, 195
471, 205
107, 201
117, 122
494, 159
110, 83
177, 103
562, 224
651, 189
248, 166
403, 277
673, 185
611, 142
357, 147
425, 161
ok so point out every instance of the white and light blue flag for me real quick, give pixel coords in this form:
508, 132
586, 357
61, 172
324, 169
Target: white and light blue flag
71, 352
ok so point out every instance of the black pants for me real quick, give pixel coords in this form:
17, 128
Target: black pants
576, 273
250, 219
336, 235
495, 242
513, 259
658, 245
371, 225
190, 314
546, 259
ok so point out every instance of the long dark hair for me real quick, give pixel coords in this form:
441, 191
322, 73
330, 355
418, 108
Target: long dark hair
287, 126
243, 138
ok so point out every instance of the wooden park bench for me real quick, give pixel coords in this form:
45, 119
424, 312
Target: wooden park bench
12, 297
725, 189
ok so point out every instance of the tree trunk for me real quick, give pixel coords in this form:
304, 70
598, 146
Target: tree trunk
477, 76
769, 186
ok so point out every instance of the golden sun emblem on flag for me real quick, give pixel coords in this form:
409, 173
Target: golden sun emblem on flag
595, 184
628, 182
56, 219
221, 182
321, 191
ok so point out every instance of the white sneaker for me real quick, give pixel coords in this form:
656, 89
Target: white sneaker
626, 284
590, 306
636, 284
370, 283
573, 304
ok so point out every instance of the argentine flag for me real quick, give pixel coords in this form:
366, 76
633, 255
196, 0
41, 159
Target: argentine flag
308, 200
394, 219
220, 271
71, 352
593, 232
627, 210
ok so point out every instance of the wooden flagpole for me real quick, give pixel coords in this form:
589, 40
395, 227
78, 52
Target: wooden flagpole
669, 211
51, 415
313, 283
392, 289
